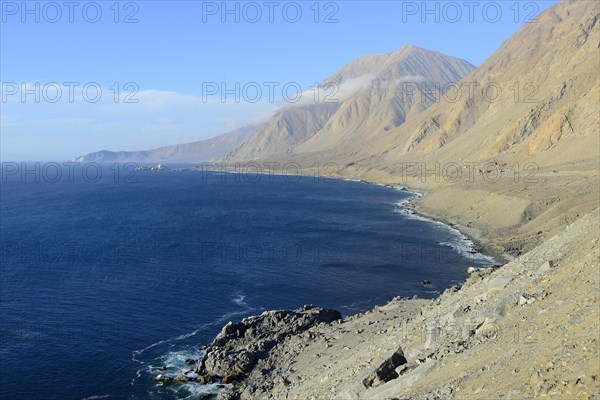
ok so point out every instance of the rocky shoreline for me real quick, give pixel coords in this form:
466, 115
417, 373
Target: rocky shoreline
499, 335
246, 356
519, 331
245, 347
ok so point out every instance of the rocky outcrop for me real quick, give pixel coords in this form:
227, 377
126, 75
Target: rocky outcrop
236, 350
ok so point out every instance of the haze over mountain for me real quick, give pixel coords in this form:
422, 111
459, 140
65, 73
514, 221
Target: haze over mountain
203, 150
534, 100
367, 96
372, 94
530, 111
536, 138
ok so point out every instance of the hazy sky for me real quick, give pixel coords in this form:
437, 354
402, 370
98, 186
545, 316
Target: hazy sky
84, 76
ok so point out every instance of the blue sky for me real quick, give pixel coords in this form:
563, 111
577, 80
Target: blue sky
164, 54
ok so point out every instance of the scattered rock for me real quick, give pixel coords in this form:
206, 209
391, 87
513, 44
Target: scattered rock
163, 378
181, 378
425, 282
525, 299
228, 394
547, 266
204, 379
231, 379
472, 270
480, 298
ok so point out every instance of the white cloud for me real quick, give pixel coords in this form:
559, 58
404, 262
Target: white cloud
352, 86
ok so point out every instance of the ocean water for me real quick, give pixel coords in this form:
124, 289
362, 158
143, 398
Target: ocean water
103, 280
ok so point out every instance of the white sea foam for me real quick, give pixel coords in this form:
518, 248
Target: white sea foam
219, 321
457, 241
239, 299
176, 360
192, 391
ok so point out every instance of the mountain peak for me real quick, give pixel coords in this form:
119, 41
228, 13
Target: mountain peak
405, 60
410, 48
369, 100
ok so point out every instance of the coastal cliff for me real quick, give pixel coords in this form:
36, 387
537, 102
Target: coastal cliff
527, 329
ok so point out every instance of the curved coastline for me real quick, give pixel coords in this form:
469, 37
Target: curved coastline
409, 306
423, 341
479, 243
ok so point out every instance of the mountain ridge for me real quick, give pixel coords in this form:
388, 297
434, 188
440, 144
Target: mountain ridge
371, 99
366, 96
531, 146
207, 150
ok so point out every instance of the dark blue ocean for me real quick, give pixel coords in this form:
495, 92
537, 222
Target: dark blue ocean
104, 279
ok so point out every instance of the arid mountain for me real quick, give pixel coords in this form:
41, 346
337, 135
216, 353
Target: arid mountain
372, 94
535, 97
526, 124
402, 84
284, 130
201, 151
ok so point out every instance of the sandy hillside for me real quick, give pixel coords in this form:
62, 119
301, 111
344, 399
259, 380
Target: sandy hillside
529, 329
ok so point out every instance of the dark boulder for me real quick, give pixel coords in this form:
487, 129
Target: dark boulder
386, 371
